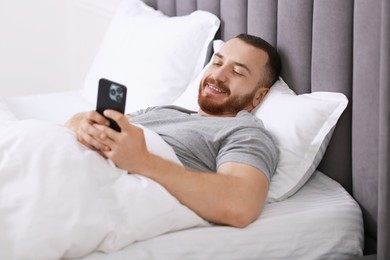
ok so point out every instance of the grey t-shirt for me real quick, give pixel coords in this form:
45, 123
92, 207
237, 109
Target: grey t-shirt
204, 143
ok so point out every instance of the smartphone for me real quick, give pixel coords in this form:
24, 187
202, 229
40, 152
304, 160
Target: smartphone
111, 95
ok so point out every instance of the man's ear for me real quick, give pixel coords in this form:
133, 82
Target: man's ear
259, 96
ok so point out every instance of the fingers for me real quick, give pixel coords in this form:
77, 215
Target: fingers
118, 117
90, 141
95, 117
126, 148
95, 133
87, 132
107, 135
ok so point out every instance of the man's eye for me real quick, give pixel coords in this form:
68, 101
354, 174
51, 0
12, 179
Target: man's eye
237, 72
217, 63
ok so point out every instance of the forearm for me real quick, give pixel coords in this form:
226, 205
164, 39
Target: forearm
216, 197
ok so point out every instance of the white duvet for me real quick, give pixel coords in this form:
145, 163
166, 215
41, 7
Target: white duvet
60, 199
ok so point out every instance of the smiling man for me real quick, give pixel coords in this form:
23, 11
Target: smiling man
233, 83
228, 156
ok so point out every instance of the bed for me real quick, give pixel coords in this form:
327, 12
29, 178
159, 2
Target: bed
336, 204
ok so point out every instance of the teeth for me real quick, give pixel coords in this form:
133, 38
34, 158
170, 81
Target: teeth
213, 88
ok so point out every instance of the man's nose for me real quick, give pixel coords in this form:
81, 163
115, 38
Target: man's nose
221, 74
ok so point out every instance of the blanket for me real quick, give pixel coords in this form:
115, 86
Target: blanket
60, 199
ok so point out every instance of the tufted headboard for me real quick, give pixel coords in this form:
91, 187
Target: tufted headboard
330, 45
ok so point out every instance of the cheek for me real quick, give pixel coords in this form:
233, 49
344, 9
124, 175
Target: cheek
241, 86
208, 71
206, 75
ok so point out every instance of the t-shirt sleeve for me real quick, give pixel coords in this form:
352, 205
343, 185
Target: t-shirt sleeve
253, 146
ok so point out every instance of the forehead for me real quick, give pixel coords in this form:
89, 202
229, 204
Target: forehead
238, 51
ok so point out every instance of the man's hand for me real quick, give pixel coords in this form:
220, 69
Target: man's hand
84, 125
127, 149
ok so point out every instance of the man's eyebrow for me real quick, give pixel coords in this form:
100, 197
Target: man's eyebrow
242, 65
218, 55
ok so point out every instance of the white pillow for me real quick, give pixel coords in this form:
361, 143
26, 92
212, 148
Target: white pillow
5, 113
154, 55
189, 98
302, 126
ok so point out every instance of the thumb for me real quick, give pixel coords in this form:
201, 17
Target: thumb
118, 117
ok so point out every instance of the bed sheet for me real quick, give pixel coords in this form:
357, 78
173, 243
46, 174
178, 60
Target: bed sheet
59, 199
321, 221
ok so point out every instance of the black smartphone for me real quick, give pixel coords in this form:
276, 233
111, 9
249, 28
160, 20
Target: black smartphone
111, 95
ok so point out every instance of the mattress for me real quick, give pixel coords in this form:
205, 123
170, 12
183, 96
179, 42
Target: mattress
320, 221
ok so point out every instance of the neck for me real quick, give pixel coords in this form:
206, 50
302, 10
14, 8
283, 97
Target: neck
203, 113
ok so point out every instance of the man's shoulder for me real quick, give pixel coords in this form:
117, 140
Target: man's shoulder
249, 118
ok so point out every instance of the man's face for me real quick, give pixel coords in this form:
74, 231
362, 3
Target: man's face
230, 84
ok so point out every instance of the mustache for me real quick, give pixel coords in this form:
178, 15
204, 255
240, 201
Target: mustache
217, 83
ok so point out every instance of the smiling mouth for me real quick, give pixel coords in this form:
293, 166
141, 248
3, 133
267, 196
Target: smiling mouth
215, 89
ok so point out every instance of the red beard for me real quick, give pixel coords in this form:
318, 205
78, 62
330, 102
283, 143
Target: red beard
215, 105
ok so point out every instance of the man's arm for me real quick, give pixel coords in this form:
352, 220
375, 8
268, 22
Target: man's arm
233, 196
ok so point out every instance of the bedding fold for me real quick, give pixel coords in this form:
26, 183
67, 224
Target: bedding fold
60, 199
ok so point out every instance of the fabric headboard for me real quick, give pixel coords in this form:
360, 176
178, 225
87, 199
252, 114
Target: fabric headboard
331, 45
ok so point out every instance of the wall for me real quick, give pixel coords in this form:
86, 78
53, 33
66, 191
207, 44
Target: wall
87, 22
47, 46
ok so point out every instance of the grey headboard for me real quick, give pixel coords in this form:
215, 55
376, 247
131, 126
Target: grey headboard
330, 45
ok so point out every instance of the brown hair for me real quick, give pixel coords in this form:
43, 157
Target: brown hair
273, 65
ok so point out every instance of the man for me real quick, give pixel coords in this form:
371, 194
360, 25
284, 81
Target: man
227, 155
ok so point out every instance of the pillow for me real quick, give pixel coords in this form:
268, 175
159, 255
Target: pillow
189, 98
5, 113
301, 125
154, 55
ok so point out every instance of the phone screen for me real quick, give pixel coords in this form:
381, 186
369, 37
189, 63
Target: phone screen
111, 95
